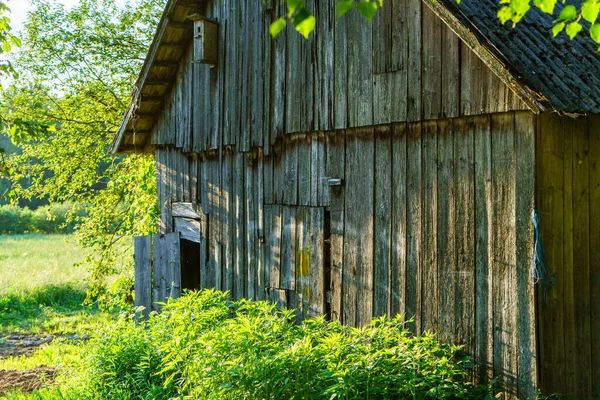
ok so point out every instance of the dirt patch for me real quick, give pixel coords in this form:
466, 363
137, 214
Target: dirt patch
27, 381
23, 345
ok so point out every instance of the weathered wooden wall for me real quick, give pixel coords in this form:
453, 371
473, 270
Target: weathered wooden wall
432, 221
405, 66
568, 197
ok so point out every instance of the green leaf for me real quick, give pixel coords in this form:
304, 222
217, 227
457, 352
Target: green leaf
343, 6
293, 5
590, 10
6, 47
307, 26
595, 32
573, 29
568, 13
368, 9
546, 6
558, 28
505, 14
277, 26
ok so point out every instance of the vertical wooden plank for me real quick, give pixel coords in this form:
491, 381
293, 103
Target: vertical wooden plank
294, 90
268, 172
323, 170
143, 274
360, 71
358, 246
503, 251
484, 354
450, 73
287, 278
274, 245
317, 293
228, 221
336, 163
173, 265
414, 219
568, 299
525, 189
278, 171
550, 202
594, 165
267, 55
580, 315
398, 259
303, 266
471, 82
239, 212
251, 225
446, 218
464, 277
259, 199
399, 59
304, 170
216, 218
340, 104
383, 220
290, 192
432, 61
160, 291
257, 77
278, 85
245, 75
414, 40
430, 305
314, 169
324, 73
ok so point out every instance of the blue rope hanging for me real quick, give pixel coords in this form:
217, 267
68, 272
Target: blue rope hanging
538, 266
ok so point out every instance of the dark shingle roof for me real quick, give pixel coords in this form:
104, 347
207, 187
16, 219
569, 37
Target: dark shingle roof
562, 75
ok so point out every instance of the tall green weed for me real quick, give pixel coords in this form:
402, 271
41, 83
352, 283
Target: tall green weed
204, 346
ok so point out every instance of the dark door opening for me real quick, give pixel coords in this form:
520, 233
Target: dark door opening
190, 265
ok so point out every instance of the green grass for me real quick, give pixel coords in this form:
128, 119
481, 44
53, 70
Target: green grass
33, 261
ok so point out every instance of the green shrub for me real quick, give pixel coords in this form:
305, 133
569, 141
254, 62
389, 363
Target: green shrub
204, 346
52, 218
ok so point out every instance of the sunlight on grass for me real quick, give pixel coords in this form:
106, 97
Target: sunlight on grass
30, 261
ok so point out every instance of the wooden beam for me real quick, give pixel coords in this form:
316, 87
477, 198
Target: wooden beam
174, 45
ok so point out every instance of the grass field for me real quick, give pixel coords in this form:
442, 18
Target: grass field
34, 261
43, 321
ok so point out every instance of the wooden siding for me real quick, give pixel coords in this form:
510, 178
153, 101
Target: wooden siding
568, 198
431, 221
405, 66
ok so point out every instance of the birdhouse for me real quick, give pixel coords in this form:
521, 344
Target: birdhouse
206, 40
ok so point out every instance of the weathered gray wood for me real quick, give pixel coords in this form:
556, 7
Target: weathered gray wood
304, 170
464, 277
167, 267
273, 215
279, 297
279, 81
228, 220
594, 165
317, 293
324, 73
261, 282
432, 61
257, 77
446, 218
414, 60
340, 88
143, 275
525, 190
503, 244
430, 310
239, 212
251, 227
184, 210
383, 219
360, 73
290, 188
358, 244
188, 228
303, 266
398, 259
414, 219
324, 196
484, 343
336, 169
450, 73
287, 278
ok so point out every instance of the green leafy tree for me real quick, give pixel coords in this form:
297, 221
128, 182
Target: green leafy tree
77, 70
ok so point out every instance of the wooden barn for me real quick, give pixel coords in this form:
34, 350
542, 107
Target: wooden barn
383, 168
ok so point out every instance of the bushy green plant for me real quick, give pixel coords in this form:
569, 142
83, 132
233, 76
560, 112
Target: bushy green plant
204, 346
54, 218
15, 220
